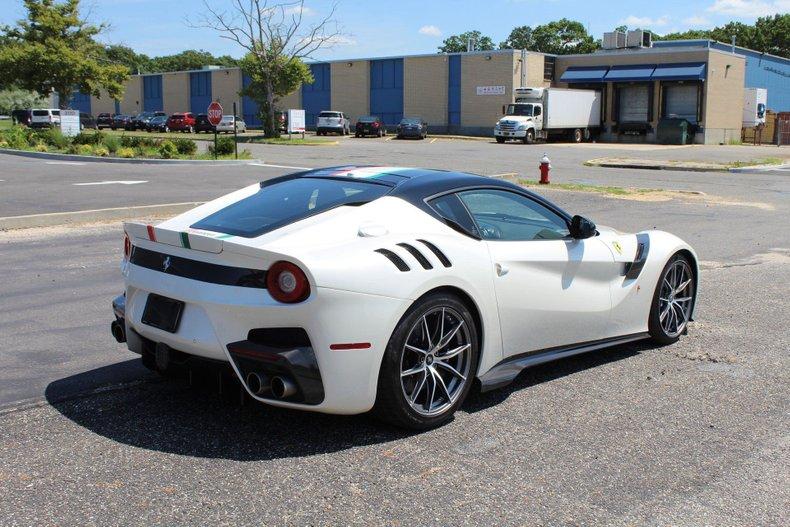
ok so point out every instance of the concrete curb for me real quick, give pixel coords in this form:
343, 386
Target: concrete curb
88, 216
639, 166
97, 159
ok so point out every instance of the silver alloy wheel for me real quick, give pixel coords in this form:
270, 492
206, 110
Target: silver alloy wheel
675, 298
436, 361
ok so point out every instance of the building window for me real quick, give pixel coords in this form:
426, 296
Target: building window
548, 68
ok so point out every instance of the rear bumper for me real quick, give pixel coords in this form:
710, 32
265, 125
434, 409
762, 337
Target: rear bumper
218, 323
335, 129
410, 133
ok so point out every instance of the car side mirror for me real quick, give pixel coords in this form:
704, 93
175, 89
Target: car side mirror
582, 228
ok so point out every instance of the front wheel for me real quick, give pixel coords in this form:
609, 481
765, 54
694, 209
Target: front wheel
529, 138
429, 364
500, 140
673, 301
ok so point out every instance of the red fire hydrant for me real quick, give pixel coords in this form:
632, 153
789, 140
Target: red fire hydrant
545, 166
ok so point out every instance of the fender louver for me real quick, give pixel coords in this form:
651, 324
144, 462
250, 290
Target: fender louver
395, 259
439, 254
417, 255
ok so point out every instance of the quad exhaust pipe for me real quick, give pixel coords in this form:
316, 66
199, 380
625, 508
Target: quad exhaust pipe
279, 387
282, 387
258, 383
118, 331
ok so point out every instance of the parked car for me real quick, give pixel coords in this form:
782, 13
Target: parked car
440, 287
370, 125
412, 127
157, 124
182, 122
44, 117
332, 122
21, 116
120, 121
140, 121
87, 122
226, 124
202, 124
282, 119
104, 120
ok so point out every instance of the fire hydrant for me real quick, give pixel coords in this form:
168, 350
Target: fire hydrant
545, 166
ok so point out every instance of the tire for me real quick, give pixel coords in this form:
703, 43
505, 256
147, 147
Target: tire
577, 135
167, 129
500, 140
670, 313
425, 406
530, 137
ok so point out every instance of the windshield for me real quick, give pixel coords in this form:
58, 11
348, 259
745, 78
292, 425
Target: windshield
368, 119
410, 121
329, 114
280, 204
519, 109
39, 113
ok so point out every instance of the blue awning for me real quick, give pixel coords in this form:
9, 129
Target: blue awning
631, 73
584, 74
680, 72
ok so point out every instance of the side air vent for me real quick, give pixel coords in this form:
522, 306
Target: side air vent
439, 254
417, 255
394, 258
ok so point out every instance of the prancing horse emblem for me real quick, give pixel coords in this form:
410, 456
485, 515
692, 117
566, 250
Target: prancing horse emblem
166, 264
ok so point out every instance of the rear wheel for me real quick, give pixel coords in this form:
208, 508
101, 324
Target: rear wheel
500, 140
673, 301
578, 136
429, 364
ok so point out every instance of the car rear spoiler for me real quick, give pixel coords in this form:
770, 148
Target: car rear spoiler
204, 241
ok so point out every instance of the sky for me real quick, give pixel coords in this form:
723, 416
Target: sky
402, 27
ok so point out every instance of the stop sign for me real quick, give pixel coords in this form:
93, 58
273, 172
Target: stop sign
214, 113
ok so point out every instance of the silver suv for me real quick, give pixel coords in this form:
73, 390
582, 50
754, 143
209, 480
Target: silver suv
335, 122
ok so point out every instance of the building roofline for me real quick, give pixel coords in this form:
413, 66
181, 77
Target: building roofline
710, 41
649, 51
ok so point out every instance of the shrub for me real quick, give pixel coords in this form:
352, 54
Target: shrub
101, 151
53, 137
185, 146
73, 149
41, 147
167, 150
17, 137
3, 143
88, 138
112, 143
135, 141
126, 152
84, 150
225, 146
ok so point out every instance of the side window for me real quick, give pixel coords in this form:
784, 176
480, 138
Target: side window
507, 216
451, 208
536, 112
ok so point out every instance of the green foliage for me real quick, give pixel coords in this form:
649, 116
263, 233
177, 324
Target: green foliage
136, 141
89, 138
126, 153
101, 151
167, 149
271, 79
185, 146
41, 147
563, 37
16, 99
54, 49
457, 43
225, 146
112, 143
18, 137
53, 137
519, 38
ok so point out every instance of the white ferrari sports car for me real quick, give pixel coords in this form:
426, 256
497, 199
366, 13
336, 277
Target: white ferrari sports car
358, 288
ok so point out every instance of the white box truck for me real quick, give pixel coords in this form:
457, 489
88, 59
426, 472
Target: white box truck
754, 101
539, 113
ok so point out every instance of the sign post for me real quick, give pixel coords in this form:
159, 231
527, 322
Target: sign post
235, 133
296, 122
214, 113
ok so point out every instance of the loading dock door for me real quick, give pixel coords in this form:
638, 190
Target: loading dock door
633, 104
681, 101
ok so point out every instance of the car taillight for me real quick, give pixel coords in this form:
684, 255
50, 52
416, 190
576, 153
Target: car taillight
287, 283
375, 125
127, 246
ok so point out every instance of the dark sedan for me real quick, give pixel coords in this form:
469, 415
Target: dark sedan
412, 127
157, 124
104, 120
140, 121
120, 121
202, 124
370, 125
87, 122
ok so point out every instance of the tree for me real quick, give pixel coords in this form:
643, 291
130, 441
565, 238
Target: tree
126, 56
16, 99
189, 60
458, 43
276, 39
53, 49
519, 38
563, 37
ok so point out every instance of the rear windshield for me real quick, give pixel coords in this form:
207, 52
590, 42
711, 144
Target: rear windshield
279, 204
329, 114
55, 112
368, 119
39, 113
410, 121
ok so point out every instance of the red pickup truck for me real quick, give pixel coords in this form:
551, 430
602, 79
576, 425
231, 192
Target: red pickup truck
181, 122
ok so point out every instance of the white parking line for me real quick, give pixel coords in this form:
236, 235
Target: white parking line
130, 182
65, 163
279, 166
433, 140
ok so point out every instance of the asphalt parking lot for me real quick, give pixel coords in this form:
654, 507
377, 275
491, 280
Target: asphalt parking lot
691, 434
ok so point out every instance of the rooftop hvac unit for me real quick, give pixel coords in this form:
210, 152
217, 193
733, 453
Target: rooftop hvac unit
614, 40
638, 38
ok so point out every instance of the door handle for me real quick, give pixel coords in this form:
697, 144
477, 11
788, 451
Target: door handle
501, 270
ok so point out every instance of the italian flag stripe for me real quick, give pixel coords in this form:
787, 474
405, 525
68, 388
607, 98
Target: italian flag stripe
185, 240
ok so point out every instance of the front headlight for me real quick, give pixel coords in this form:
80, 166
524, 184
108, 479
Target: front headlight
496, 125
522, 127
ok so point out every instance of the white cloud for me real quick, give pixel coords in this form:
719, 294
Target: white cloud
645, 22
431, 31
294, 10
749, 8
697, 20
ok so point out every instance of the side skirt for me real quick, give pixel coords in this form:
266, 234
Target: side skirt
503, 373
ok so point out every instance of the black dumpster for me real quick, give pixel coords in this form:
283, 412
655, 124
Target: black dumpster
673, 131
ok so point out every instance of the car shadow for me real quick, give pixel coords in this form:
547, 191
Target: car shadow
196, 415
